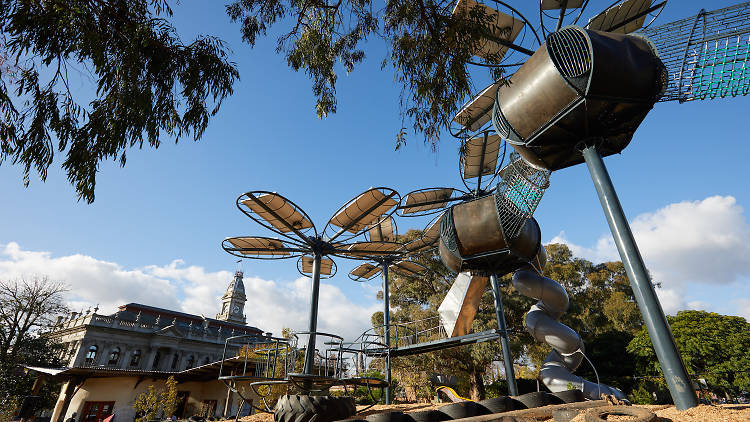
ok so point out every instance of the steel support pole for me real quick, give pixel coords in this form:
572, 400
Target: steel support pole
672, 366
310, 351
387, 331
510, 374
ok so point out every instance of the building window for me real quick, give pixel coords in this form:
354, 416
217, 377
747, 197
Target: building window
175, 360
96, 411
157, 358
72, 351
136, 358
190, 362
114, 356
91, 354
206, 361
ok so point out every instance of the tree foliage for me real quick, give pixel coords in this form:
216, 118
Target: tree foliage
712, 346
429, 48
27, 307
149, 403
146, 82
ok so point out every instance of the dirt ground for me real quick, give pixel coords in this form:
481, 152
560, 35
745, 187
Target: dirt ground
702, 413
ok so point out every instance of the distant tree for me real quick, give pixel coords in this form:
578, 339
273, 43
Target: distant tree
714, 347
149, 403
27, 307
602, 310
146, 83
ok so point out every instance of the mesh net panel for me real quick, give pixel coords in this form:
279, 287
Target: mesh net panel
518, 194
448, 231
706, 55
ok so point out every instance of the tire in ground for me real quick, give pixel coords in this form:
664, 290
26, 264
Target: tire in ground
465, 409
569, 396
535, 399
386, 417
497, 404
600, 414
425, 416
305, 408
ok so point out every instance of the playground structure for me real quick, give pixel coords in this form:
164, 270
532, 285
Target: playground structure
270, 362
581, 95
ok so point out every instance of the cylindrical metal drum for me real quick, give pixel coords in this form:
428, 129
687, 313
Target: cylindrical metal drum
472, 238
579, 85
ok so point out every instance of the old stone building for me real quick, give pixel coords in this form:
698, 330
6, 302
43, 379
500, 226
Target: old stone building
110, 359
142, 337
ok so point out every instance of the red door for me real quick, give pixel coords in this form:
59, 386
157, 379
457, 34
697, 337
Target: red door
96, 411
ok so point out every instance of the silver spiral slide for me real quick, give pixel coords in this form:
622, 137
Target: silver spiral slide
542, 323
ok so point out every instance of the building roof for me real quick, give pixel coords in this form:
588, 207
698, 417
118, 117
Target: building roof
150, 312
206, 372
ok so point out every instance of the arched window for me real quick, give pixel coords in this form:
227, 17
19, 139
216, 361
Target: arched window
91, 354
114, 356
136, 358
175, 360
190, 362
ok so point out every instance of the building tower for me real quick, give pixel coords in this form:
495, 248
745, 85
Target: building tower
233, 301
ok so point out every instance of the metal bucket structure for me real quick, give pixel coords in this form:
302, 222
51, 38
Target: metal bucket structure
496, 233
580, 85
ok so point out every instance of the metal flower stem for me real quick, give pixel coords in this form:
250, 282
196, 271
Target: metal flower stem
510, 374
310, 351
387, 329
672, 366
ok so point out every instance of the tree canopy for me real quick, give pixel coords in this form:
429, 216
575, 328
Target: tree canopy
712, 346
27, 307
149, 85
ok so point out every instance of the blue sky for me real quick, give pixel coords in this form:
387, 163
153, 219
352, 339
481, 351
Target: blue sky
153, 234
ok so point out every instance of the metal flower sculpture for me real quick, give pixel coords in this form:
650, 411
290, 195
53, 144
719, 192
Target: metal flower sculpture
344, 236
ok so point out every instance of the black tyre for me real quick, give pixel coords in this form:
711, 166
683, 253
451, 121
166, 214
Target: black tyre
346, 406
570, 396
553, 399
600, 414
514, 404
426, 416
386, 417
535, 399
304, 408
464, 409
497, 404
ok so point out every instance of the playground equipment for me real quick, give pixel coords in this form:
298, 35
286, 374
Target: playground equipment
451, 394
268, 362
484, 232
384, 230
495, 234
581, 95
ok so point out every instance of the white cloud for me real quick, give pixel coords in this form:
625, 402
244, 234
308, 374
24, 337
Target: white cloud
743, 308
705, 242
271, 305
699, 305
91, 281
